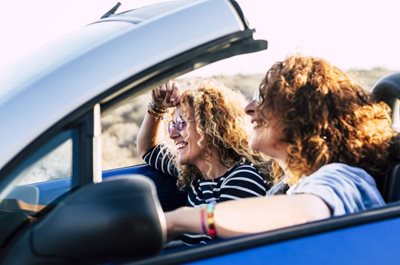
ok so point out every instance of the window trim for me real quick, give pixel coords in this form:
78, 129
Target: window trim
87, 152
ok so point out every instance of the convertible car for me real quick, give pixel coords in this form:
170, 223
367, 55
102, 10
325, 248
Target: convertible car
57, 206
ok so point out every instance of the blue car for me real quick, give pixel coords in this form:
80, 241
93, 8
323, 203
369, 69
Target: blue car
58, 204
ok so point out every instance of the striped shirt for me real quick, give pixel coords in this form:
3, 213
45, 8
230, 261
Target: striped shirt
241, 181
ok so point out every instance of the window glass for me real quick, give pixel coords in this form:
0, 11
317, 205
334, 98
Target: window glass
26, 70
120, 127
54, 165
46, 174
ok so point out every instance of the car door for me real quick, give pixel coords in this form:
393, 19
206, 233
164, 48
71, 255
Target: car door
369, 237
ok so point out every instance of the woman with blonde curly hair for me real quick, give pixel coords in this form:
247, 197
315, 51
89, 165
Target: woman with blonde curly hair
326, 137
211, 159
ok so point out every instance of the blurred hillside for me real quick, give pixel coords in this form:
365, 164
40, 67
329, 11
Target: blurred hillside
369, 77
120, 127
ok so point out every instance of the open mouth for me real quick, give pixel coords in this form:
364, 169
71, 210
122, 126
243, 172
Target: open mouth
181, 145
257, 123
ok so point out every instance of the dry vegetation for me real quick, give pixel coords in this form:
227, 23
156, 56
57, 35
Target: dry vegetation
120, 127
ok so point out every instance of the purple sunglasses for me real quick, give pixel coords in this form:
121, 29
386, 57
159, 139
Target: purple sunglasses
179, 124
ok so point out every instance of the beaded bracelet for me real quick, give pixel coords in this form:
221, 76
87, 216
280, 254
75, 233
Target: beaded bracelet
155, 115
212, 232
155, 111
156, 108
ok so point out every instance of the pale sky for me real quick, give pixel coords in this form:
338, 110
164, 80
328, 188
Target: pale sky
349, 33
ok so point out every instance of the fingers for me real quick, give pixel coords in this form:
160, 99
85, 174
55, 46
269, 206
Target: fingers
175, 95
168, 91
163, 90
167, 94
157, 94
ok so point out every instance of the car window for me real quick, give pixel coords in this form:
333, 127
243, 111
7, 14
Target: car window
120, 127
54, 165
47, 168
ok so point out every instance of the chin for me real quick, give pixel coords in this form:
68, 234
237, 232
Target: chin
182, 160
253, 145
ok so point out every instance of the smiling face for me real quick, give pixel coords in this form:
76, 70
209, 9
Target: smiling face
186, 138
266, 136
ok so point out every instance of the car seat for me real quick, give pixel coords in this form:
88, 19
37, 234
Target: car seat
387, 89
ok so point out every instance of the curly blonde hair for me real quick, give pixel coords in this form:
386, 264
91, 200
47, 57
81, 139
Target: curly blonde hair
220, 121
327, 117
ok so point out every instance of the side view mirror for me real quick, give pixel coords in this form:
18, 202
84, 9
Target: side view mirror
114, 220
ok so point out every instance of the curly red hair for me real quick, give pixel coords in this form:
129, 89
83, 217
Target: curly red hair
328, 117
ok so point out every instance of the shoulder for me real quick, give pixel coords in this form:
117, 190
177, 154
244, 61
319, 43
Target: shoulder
344, 188
337, 175
339, 171
154, 150
244, 176
241, 181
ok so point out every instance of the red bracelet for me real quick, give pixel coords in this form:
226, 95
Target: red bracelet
212, 232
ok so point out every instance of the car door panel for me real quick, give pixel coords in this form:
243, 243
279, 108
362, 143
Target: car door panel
373, 243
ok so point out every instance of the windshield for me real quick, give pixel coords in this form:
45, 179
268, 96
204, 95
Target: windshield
55, 54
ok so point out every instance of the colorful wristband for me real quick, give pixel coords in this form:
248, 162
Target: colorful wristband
212, 232
203, 219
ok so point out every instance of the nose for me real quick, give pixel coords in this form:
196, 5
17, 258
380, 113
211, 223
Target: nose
173, 133
250, 108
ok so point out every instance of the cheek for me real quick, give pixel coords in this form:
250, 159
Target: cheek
192, 132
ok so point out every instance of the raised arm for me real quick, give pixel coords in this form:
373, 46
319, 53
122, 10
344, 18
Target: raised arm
163, 97
251, 215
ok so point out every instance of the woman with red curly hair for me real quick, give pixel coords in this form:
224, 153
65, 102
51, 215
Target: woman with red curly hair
210, 156
326, 138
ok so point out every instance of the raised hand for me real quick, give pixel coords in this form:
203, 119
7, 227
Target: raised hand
167, 95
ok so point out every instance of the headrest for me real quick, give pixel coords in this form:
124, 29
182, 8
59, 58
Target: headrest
387, 89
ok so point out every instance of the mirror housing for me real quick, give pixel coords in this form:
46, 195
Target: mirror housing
114, 220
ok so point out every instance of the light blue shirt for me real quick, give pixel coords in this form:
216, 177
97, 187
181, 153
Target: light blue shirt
345, 189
